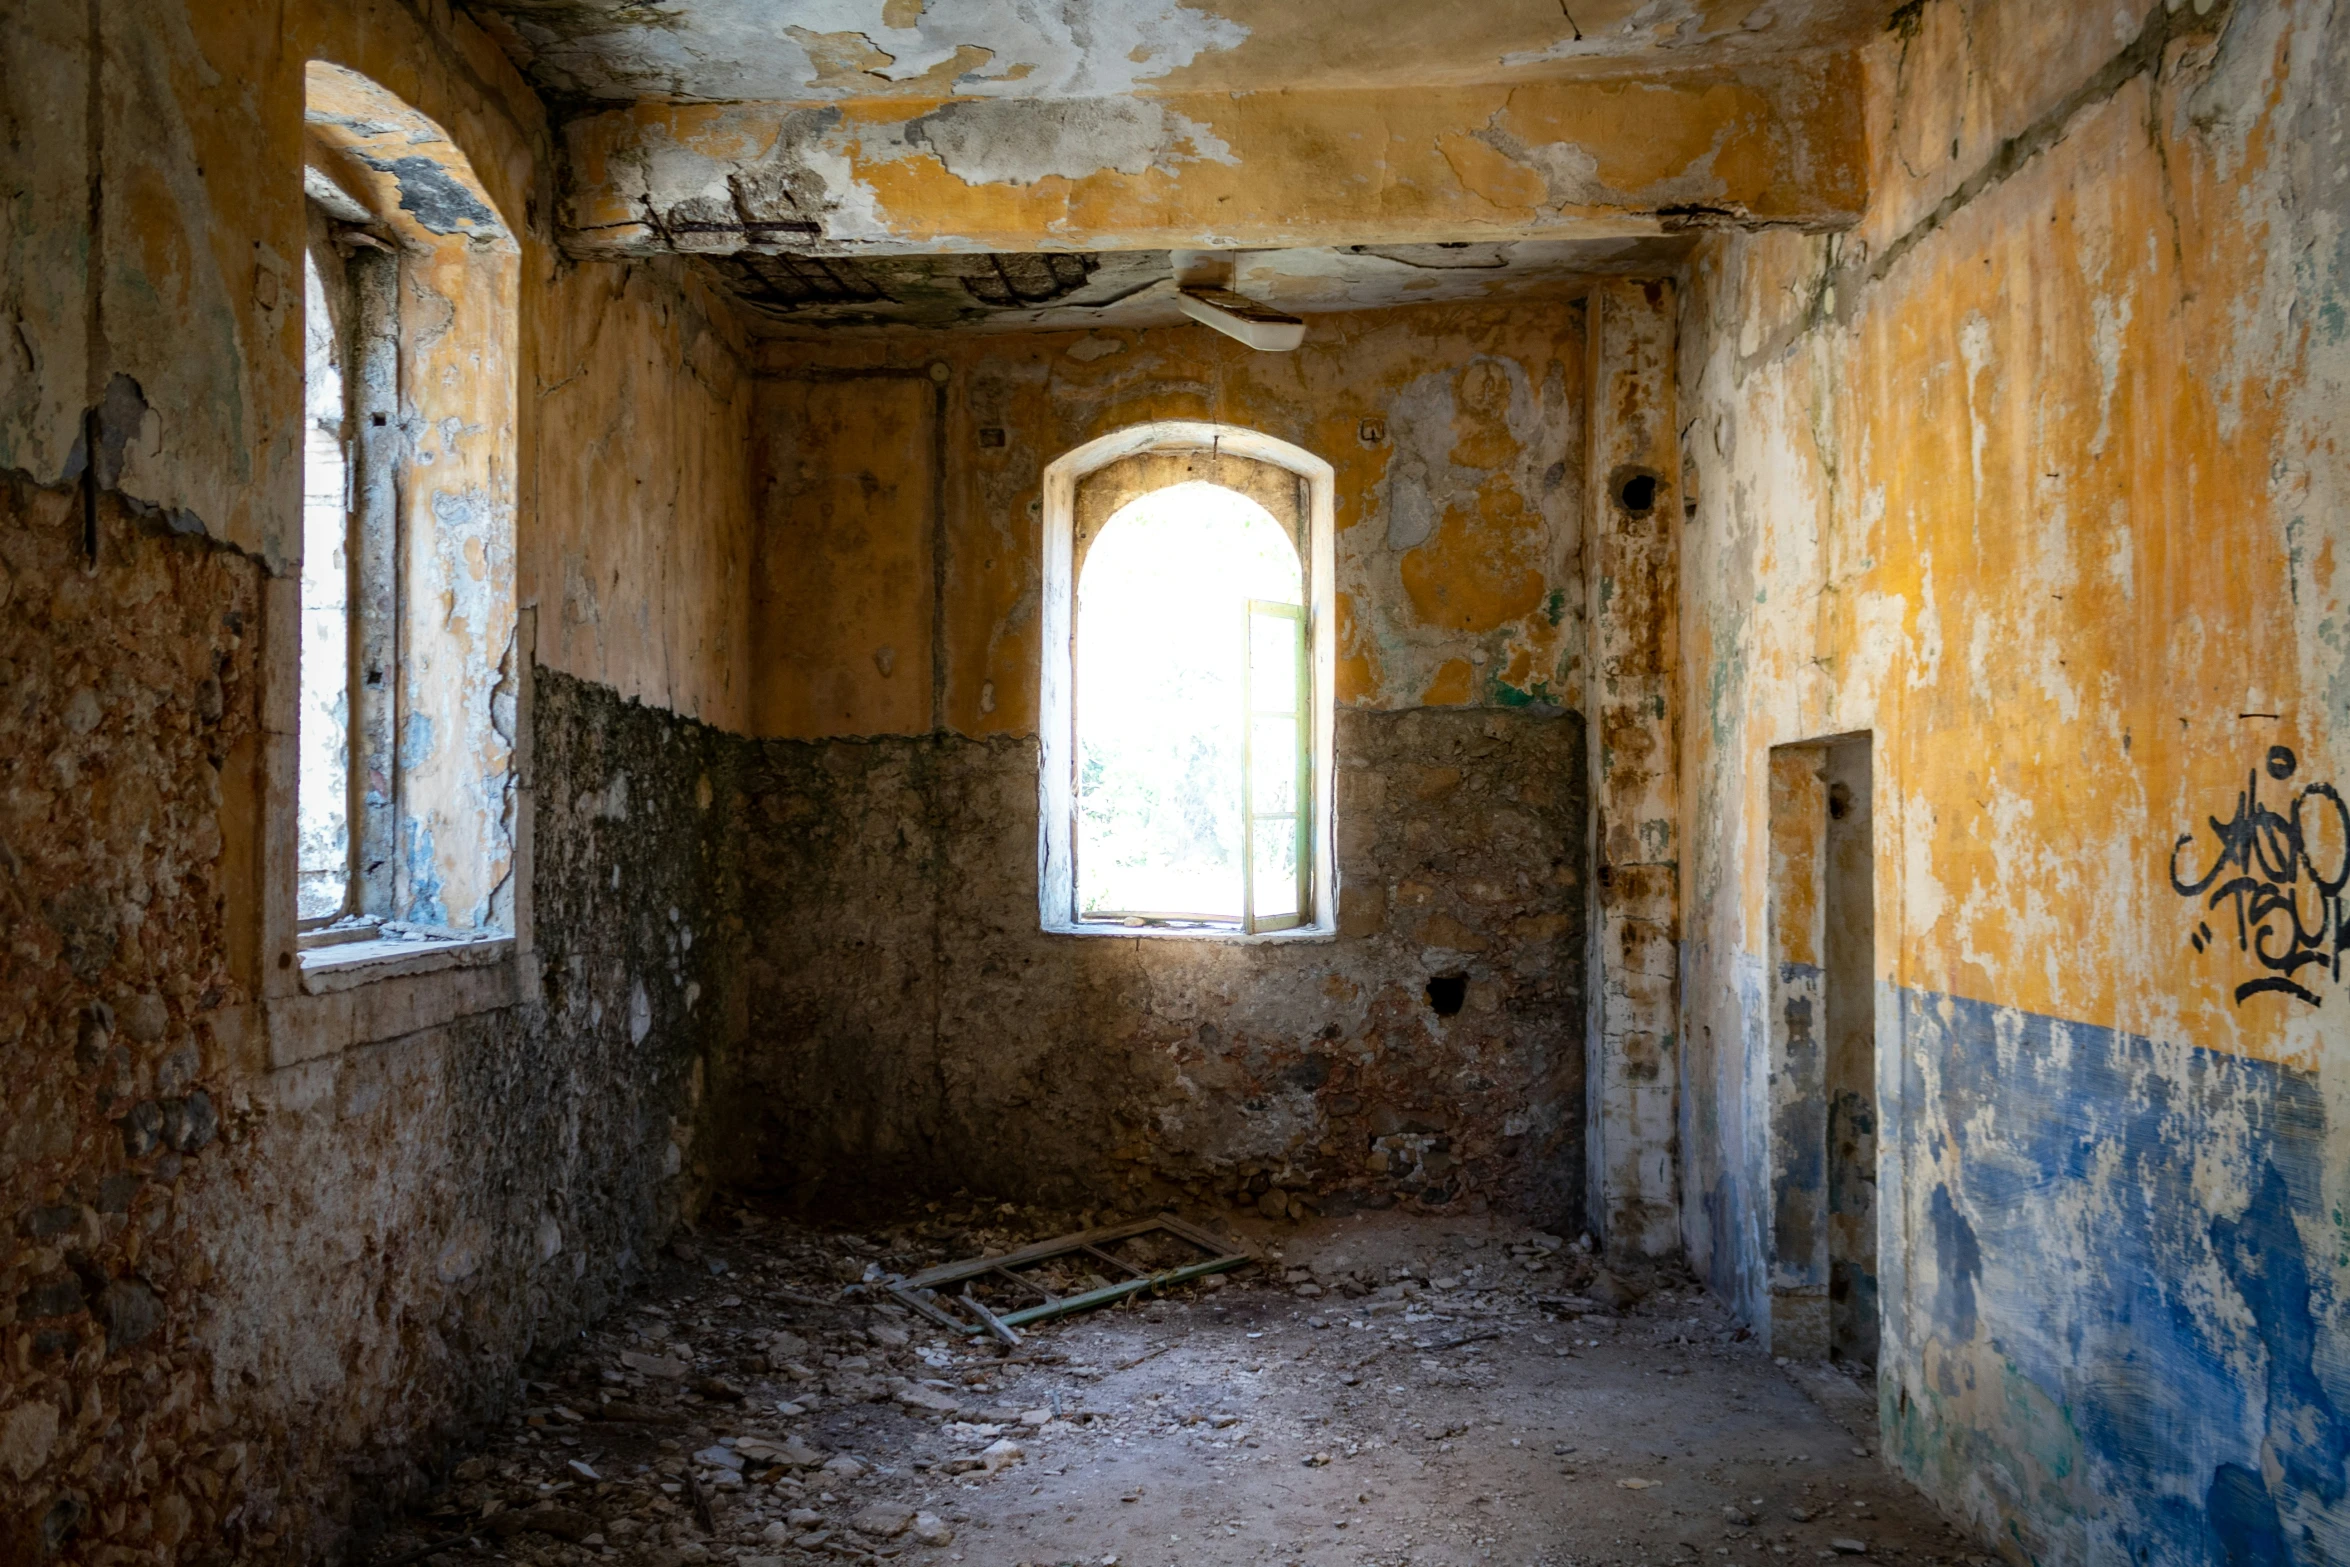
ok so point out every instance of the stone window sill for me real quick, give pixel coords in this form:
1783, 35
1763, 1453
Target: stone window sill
349, 964
364, 993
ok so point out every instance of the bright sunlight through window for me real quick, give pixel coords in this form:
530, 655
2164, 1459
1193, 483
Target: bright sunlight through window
1193, 734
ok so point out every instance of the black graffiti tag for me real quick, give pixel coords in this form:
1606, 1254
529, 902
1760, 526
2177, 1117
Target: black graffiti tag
2283, 873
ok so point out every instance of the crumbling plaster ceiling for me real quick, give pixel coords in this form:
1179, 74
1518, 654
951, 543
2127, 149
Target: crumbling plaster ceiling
1136, 288
1028, 163
836, 51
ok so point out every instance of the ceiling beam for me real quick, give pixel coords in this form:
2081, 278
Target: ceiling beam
1769, 145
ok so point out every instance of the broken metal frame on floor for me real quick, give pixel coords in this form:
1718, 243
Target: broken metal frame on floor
925, 1291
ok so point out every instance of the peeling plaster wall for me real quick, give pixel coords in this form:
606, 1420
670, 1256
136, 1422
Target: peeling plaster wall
1457, 433
640, 556
849, 50
1773, 143
2039, 477
264, 1252
198, 236
909, 1022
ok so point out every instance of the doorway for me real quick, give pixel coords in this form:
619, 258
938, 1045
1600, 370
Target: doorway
1823, 1074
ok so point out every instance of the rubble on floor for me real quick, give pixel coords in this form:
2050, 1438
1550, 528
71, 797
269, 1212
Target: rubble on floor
765, 1402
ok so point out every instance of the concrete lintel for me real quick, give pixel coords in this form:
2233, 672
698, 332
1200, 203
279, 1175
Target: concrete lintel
1767, 145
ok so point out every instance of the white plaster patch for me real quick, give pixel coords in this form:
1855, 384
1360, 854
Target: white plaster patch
2110, 318
1570, 173
1974, 347
1006, 143
1422, 479
1923, 902
1928, 670
742, 49
1878, 637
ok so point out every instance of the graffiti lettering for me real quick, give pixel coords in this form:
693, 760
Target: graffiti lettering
2282, 874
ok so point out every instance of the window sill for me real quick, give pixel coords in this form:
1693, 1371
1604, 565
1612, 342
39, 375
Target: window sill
345, 965
1303, 933
363, 993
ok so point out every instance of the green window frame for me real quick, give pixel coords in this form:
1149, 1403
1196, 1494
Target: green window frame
1276, 768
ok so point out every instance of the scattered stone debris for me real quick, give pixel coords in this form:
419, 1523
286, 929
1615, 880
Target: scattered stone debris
768, 1401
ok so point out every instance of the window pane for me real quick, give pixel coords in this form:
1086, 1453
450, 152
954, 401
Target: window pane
1161, 594
1276, 878
323, 790
1272, 651
1273, 765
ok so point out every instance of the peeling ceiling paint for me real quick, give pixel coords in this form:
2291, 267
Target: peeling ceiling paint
849, 50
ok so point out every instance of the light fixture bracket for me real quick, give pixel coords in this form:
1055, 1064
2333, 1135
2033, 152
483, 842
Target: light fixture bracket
1238, 316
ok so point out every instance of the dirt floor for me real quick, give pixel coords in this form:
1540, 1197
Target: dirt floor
1378, 1389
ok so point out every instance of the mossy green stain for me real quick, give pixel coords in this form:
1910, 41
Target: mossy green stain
1500, 693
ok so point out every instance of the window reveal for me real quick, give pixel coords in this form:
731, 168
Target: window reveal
1186, 726
405, 785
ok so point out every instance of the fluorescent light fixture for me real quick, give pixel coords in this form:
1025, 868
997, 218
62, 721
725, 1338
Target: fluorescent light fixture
1238, 316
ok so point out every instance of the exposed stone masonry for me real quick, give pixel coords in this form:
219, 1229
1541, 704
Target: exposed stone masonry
911, 1029
432, 1207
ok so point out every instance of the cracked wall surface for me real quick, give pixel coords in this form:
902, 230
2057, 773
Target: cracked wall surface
2011, 356
2037, 477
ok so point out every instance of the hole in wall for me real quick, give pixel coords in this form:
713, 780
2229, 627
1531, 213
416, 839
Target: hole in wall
1636, 491
1447, 992
1839, 801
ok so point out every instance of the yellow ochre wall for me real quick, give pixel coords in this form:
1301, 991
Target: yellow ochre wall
2038, 476
1456, 432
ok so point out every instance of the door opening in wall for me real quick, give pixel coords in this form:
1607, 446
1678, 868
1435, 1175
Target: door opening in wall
1849, 919
1823, 1069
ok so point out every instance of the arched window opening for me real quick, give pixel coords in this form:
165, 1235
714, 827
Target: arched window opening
1191, 753
405, 800
1186, 693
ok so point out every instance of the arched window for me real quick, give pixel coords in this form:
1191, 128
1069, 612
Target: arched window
405, 808
1187, 686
